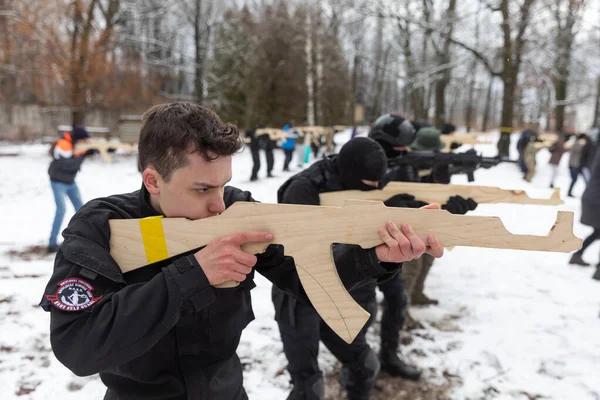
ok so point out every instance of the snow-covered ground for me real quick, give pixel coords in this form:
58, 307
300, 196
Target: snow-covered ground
510, 324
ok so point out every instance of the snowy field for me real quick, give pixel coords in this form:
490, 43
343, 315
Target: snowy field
510, 324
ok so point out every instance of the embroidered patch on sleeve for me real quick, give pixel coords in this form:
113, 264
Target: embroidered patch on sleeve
73, 294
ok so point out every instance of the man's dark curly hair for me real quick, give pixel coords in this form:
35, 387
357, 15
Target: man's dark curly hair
171, 131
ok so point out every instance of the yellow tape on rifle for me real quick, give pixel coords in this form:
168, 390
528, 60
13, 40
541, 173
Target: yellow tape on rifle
153, 237
506, 129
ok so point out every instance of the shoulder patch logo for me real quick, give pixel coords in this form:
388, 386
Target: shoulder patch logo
73, 294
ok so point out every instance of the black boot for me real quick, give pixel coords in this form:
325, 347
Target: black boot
419, 299
394, 366
596, 275
358, 377
312, 388
578, 260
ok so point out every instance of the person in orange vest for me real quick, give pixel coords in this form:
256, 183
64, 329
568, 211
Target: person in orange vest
63, 168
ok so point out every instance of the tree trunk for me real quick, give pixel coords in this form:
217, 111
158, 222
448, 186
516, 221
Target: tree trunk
469, 109
396, 91
560, 90
506, 122
564, 44
405, 102
443, 57
512, 63
440, 101
488, 104
425, 92
454, 95
319, 59
310, 105
77, 117
596, 122
199, 65
379, 65
355, 65
380, 82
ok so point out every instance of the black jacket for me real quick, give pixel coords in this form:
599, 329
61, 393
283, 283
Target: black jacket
158, 332
65, 164
590, 201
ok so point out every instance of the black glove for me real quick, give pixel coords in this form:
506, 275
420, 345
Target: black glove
459, 205
404, 200
273, 256
455, 145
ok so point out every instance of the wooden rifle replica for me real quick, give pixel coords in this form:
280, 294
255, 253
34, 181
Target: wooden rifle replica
464, 138
102, 147
274, 134
438, 193
307, 233
309, 133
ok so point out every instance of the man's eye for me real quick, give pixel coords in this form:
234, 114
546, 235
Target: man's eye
203, 190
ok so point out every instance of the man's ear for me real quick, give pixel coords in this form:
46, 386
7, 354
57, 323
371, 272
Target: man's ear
152, 180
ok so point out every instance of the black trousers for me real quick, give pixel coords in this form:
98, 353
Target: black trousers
254, 148
575, 172
270, 159
288, 158
589, 240
301, 329
395, 303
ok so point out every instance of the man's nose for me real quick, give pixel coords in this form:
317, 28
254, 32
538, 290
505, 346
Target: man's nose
217, 205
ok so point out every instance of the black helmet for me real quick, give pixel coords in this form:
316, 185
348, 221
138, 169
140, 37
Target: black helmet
420, 124
392, 130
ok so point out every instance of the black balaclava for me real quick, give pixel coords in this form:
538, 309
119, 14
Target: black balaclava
79, 133
361, 158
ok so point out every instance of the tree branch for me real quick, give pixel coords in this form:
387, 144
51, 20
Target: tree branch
477, 54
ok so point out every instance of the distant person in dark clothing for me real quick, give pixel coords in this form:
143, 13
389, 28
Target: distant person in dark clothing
590, 216
258, 142
587, 157
524, 139
575, 161
63, 169
556, 152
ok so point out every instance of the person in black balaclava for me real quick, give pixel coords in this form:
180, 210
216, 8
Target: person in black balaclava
360, 160
395, 134
360, 165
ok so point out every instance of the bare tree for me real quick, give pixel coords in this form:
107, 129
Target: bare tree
469, 109
200, 16
488, 105
414, 84
443, 59
86, 49
513, 25
310, 78
596, 121
567, 14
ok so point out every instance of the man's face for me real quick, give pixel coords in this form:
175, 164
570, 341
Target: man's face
194, 191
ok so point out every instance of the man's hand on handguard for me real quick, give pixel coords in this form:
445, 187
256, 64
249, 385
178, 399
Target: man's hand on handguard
403, 244
224, 260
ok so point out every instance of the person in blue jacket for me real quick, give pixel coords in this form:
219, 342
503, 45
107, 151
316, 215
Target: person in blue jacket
288, 146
